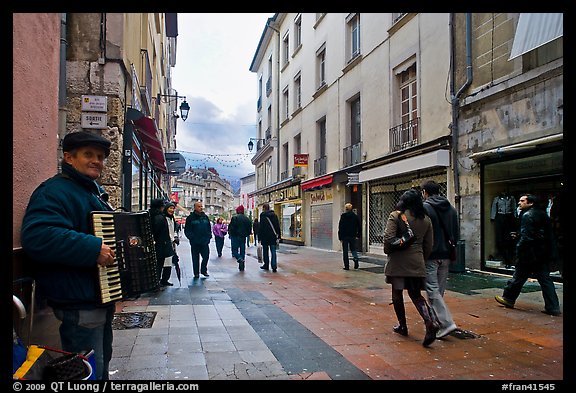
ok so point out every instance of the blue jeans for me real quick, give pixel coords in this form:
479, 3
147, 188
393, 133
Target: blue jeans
238, 244
83, 330
269, 258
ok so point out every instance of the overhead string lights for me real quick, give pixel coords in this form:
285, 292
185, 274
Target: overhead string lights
225, 160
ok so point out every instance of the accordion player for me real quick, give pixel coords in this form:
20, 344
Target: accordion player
134, 272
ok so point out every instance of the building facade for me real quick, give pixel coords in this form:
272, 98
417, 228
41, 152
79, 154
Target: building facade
510, 125
360, 107
361, 117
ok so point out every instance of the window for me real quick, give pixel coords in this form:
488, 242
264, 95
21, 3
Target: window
322, 137
286, 160
297, 92
408, 95
355, 120
259, 103
286, 49
297, 32
321, 66
320, 162
268, 171
353, 24
269, 80
286, 101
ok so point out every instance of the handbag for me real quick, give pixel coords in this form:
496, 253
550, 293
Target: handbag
407, 237
274, 230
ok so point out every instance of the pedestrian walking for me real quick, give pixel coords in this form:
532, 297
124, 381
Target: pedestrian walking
63, 251
269, 237
533, 254
348, 231
255, 229
406, 268
199, 232
445, 227
172, 239
239, 229
219, 229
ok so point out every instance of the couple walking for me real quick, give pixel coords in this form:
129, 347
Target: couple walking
268, 236
424, 264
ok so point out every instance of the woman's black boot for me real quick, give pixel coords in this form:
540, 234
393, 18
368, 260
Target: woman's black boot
427, 315
398, 302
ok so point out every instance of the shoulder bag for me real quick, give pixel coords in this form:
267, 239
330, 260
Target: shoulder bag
274, 230
406, 237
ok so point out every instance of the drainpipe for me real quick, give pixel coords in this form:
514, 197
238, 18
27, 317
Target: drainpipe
277, 102
455, 97
62, 87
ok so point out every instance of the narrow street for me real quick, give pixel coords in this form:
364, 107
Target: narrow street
313, 320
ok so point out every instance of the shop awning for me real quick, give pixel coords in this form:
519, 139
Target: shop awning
517, 147
147, 131
317, 183
534, 30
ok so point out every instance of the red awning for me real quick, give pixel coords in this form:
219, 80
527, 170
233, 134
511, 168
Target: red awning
148, 133
317, 183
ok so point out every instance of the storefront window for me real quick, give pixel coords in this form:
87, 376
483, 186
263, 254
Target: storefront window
135, 195
504, 183
291, 220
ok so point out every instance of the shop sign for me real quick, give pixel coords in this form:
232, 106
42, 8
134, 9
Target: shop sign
300, 159
321, 196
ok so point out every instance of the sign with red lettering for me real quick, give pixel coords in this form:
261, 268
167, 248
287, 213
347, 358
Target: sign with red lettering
300, 159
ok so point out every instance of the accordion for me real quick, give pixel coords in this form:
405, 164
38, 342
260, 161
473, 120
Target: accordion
130, 236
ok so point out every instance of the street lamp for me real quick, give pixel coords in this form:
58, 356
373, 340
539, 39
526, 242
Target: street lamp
251, 144
184, 107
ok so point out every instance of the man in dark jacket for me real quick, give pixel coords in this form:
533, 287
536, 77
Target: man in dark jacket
268, 236
445, 227
348, 232
64, 252
238, 230
199, 232
533, 252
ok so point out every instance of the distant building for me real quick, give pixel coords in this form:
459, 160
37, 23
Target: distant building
206, 185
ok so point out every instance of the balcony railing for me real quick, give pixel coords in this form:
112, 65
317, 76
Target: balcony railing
352, 154
320, 166
405, 135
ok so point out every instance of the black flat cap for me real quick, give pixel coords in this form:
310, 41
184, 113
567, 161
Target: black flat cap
78, 139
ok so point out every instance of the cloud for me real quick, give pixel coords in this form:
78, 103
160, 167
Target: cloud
212, 70
207, 138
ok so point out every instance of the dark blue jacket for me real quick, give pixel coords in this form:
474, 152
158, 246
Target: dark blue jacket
57, 237
198, 229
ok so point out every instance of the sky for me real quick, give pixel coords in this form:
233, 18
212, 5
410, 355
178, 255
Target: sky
213, 57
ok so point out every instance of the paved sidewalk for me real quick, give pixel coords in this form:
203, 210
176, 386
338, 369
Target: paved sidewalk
312, 320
